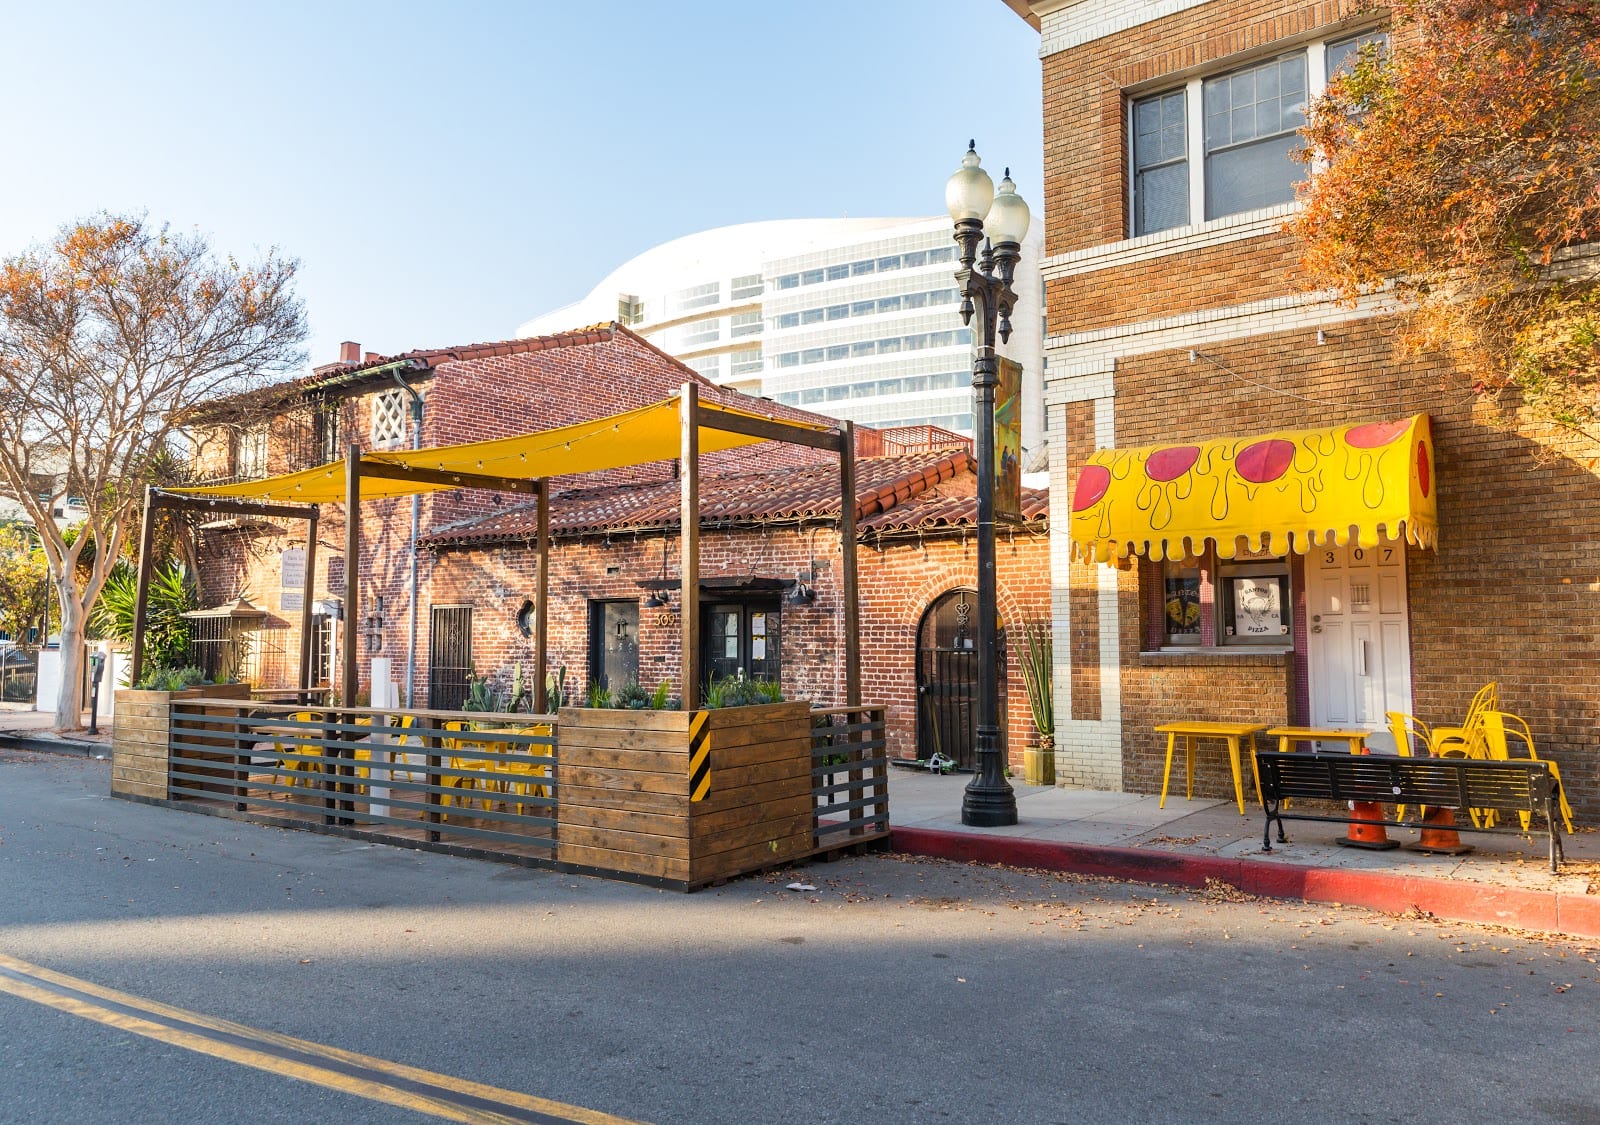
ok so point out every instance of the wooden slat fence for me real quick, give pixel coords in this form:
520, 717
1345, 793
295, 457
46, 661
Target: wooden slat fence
361, 771
849, 775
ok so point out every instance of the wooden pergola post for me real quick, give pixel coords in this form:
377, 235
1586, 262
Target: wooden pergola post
689, 549
141, 595
847, 551
541, 600
309, 589
350, 677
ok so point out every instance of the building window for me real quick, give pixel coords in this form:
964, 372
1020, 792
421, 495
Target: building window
698, 296
1160, 163
702, 332
1253, 117
1253, 604
1228, 139
250, 453
747, 286
1342, 55
613, 643
744, 324
1180, 594
747, 362
710, 366
630, 309
326, 419
321, 649
389, 419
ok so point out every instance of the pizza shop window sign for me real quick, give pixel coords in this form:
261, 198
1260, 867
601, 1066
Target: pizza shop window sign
1254, 604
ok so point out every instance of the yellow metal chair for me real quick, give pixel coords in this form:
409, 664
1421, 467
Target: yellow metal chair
1497, 726
297, 756
474, 773
1487, 699
517, 777
1410, 734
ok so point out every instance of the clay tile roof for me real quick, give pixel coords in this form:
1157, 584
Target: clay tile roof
726, 499
928, 512
432, 357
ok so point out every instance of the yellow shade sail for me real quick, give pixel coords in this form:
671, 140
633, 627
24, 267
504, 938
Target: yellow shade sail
1303, 488
634, 437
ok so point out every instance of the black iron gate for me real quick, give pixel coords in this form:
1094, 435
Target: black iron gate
449, 656
947, 680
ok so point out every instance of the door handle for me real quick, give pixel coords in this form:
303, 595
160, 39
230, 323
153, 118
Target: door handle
1361, 658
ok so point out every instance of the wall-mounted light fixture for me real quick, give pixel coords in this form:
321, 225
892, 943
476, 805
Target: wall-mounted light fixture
660, 596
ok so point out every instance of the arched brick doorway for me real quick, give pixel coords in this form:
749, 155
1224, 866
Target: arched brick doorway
947, 678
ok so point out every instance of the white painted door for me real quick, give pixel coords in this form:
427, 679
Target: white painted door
1360, 644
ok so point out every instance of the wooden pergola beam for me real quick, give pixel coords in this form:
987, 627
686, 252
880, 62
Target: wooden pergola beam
448, 477
771, 429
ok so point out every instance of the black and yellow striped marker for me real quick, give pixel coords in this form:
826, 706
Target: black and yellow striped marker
453, 1099
699, 755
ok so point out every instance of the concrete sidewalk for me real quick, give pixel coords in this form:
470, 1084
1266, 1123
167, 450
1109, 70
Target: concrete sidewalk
34, 730
1505, 881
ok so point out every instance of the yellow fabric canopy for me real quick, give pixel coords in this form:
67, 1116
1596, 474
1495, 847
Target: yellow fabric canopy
634, 437
1338, 485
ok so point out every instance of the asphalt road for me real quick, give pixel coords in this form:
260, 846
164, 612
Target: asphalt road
897, 991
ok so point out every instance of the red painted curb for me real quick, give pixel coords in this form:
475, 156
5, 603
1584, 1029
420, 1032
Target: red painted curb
1547, 911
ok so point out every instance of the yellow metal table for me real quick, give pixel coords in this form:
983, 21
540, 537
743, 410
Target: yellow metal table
1233, 734
1288, 736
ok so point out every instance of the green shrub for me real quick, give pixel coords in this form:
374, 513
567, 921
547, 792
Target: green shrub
661, 697
171, 679
735, 691
631, 697
598, 695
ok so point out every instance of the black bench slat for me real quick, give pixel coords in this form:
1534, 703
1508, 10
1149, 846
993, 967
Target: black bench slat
1515, 786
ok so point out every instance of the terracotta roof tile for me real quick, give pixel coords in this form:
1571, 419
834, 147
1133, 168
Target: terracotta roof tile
787, 494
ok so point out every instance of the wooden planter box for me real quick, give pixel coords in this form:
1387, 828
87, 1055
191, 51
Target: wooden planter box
140, 731
625, 803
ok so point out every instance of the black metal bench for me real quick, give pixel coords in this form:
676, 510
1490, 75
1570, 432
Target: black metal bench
1518, 786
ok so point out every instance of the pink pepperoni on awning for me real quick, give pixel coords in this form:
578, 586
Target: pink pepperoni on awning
1172, 463
1374, 434
1264, 461
1092, 484
1422, 466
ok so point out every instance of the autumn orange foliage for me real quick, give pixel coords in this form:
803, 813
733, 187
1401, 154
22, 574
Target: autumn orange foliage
1461, 170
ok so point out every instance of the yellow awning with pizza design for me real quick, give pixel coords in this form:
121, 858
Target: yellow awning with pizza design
1285, 491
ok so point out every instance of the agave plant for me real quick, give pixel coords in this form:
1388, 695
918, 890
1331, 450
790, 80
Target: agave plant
166, 630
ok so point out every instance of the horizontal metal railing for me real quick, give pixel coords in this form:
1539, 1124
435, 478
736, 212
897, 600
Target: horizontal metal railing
392, 775
849, 774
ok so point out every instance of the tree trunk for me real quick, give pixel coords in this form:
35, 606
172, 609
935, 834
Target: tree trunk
69, 698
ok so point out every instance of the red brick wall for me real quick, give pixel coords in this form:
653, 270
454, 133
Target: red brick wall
897, 584
1509, 595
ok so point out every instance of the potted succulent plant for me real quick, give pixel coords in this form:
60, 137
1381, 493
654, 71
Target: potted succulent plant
1036, 657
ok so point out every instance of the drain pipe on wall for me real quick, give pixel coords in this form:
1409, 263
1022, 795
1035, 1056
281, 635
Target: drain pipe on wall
416, 520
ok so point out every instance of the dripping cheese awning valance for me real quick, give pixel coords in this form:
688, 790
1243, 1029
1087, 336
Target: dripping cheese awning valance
1303, 488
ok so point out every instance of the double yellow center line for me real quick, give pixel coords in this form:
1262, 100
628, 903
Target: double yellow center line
379, 1080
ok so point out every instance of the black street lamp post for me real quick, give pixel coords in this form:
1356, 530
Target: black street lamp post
985, 280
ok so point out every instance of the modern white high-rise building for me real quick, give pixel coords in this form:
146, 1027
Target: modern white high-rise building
857, 318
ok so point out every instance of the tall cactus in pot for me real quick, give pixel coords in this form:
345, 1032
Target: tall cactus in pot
1036, 656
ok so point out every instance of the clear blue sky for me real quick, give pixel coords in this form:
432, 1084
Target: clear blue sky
445, 171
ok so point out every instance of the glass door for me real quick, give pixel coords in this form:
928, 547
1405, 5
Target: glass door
741, 640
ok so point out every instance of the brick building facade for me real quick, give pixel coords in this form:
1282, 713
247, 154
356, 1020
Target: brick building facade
769, 514
1175, 317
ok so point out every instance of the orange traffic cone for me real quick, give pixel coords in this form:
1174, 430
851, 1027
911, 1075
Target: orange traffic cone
1439, 835
1370, 836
